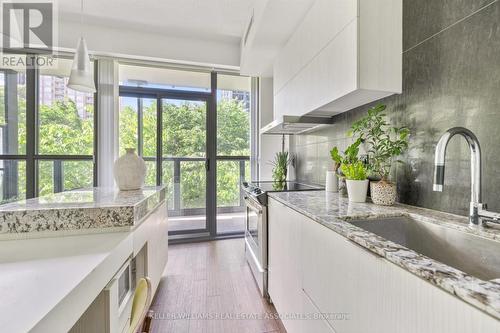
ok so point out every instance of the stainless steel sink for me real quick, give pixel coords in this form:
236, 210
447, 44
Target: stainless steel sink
474, 255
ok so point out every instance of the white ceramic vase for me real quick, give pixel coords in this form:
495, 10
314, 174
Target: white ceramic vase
357, 189
129, 171
332, 182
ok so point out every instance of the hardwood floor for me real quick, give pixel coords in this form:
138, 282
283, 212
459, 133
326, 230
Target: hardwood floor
211, 283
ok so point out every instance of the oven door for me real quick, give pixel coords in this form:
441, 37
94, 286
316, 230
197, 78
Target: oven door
256, 242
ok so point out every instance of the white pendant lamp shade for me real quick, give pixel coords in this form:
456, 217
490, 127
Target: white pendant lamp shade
81, 77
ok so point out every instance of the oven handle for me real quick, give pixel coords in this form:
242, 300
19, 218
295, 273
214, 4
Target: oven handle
254, 257
252, 204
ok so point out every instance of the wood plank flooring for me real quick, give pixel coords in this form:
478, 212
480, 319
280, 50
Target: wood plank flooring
208, 287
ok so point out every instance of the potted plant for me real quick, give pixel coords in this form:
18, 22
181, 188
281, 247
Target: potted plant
384, 143
280, 169
356, 179
349, 156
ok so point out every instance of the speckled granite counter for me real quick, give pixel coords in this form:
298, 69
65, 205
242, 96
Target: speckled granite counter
79, 210
334, 212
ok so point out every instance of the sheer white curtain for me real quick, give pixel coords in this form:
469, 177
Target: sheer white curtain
107, 129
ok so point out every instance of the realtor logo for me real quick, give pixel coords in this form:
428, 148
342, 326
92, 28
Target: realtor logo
28, 26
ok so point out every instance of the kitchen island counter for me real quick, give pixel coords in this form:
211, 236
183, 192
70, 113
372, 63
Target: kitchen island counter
50, 277
87, 210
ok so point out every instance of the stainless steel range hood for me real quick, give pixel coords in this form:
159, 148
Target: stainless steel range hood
295, 124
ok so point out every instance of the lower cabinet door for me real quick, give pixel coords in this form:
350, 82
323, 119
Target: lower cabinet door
284, 264
314, 320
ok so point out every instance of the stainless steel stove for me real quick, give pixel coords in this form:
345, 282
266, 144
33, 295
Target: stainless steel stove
256, 224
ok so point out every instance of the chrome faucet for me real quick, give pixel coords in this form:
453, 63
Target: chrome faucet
478, 210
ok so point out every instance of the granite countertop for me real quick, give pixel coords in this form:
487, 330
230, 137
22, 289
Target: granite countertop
334, 212
84, 209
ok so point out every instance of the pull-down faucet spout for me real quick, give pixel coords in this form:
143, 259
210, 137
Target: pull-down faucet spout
477, 209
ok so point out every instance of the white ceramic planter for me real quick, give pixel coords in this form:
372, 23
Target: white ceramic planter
129, 171
357, 189
332, 182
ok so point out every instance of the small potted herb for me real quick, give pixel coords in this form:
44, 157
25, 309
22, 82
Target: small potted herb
349, 156
384, 143
280, 169
356, 178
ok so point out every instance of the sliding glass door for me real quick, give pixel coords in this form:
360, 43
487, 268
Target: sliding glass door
233, 151
184, 163
195, 138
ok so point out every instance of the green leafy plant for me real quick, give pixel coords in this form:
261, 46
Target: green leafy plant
355, 171
280, 166
349, 156
384, 141
336, 157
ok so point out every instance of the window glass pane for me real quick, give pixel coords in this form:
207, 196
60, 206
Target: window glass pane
150, 171
184, 128
164, 78
57, 176
137, 123
148, 127
230, 204
12, 111
192, 185
168, 181
12, 180
66, 116
229, 176
78, 174
129, 124
233, 115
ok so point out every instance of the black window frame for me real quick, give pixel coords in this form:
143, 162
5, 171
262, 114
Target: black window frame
212, 156
32, 157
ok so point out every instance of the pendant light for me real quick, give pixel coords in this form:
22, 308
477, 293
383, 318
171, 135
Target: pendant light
81, 77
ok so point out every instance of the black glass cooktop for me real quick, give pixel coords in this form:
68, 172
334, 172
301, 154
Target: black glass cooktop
270, 186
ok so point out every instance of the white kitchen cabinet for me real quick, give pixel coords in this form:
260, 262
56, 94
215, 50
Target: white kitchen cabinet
149, 248
361, 291
315, 321
284, 268
344, 54
157, 246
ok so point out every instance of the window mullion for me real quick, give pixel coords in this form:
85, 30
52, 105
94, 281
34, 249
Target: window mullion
159, 145
140, 133
32, 80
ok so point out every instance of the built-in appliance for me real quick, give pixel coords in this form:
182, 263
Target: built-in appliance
290, 125
256, 224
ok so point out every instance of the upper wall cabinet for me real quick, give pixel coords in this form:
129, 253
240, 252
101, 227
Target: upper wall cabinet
344, 54
269, 27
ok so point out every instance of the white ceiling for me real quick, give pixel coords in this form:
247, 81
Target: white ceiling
218, 20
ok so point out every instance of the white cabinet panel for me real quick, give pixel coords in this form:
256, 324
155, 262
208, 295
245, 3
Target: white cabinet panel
284, 264
344, 54
153, 232
315, 321
322, 23
312, 87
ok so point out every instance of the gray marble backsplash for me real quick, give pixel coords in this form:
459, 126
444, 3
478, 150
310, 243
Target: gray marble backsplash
451, 77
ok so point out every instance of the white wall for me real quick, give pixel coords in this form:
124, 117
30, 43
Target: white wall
269, 144
104, 40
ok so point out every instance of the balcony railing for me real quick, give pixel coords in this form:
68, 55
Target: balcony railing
179, 202
185, 178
